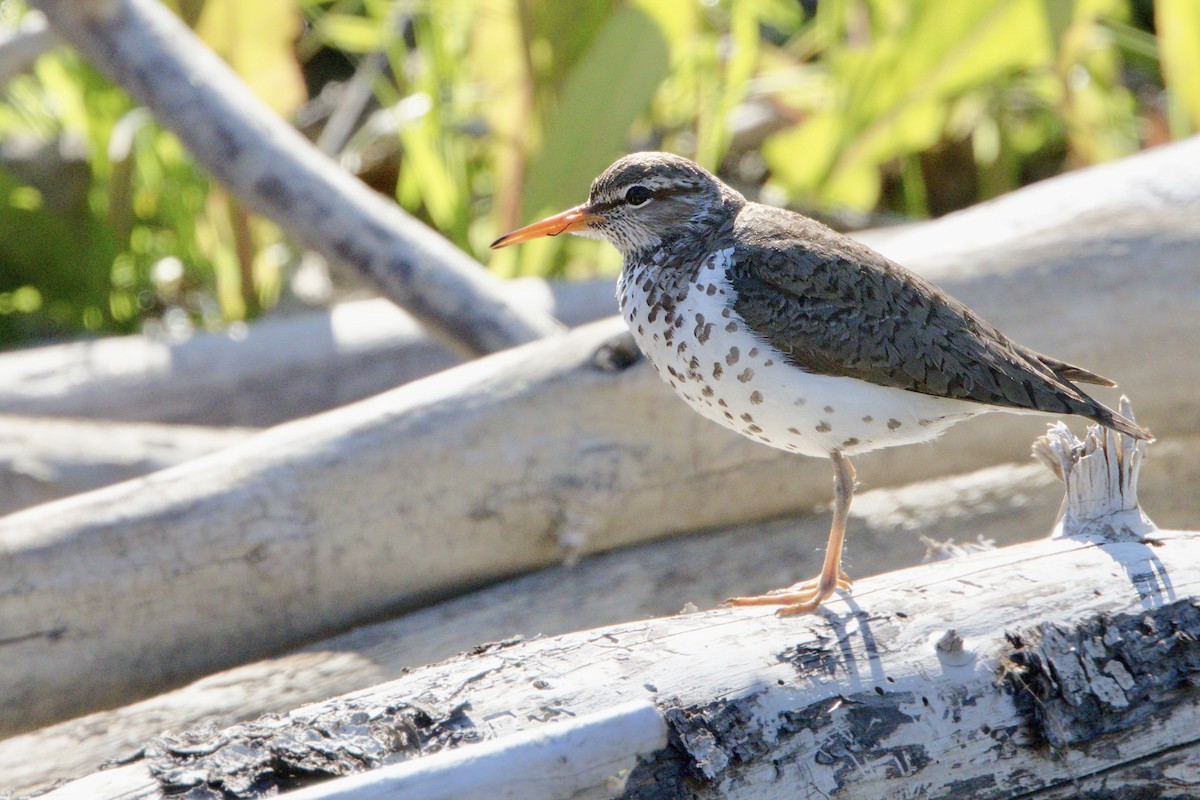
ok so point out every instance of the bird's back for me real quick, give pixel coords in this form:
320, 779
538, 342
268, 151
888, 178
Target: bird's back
836, 307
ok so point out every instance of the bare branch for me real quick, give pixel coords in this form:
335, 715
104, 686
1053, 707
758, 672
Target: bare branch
276, 172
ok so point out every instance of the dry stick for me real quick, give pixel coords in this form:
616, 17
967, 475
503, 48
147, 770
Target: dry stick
277, 173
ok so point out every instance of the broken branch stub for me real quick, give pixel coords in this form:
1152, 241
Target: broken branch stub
1100, 474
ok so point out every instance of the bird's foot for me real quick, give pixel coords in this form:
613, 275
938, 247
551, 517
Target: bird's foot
798, 599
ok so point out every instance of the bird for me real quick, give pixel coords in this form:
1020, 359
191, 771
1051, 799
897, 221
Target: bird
778, 327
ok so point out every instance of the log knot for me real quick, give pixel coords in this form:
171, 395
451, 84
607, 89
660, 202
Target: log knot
1103, 675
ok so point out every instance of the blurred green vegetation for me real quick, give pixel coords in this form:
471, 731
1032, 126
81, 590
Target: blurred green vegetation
491, 113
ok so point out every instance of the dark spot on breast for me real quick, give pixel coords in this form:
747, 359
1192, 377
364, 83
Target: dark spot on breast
755, 429
681, 348
794, 430
721, 402
850, 442
694, 363
868, 418
754, 352
641, 330
707, 391
718, 370
823, 427
674, 372
769, 362
800, 401
732, 356
729, 416
756, 397
731, 327
725, 312
702, 333
653, 315
747, 418
746, 375
828, 409
711, 290
893, 424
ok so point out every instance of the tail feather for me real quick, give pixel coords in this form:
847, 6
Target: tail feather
1074, 373
1087, 406
1111, 419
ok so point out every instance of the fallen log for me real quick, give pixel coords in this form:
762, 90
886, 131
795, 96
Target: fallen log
652, 579
44, 459
142, 46
277, 369
559, 448
891, 529
20, 48
910, 686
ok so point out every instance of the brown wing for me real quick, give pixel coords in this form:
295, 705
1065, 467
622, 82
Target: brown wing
837, 307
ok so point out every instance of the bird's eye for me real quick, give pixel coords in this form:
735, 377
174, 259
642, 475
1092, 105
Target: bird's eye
638, 196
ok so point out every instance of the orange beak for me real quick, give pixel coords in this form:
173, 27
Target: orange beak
567, 221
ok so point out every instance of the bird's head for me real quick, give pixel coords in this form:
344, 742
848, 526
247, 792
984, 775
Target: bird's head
639, 202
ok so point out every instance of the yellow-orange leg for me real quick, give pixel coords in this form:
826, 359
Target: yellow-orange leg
807, 596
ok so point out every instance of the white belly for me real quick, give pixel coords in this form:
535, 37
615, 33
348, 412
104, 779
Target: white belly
723, 370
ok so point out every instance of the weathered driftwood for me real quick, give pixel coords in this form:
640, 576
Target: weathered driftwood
912, 686
277, 369
44, 459
1163, 177
524, 458
24, 45
146, 49
653, 579
1002, 504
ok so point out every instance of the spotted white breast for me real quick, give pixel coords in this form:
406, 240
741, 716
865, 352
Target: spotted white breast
715, 361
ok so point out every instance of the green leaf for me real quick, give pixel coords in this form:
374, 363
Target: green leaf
1178, 23
610, 85
257, 39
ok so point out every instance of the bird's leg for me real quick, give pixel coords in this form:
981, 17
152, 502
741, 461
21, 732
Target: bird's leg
806, 596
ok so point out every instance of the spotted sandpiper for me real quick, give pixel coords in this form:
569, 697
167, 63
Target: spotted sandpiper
796, 336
